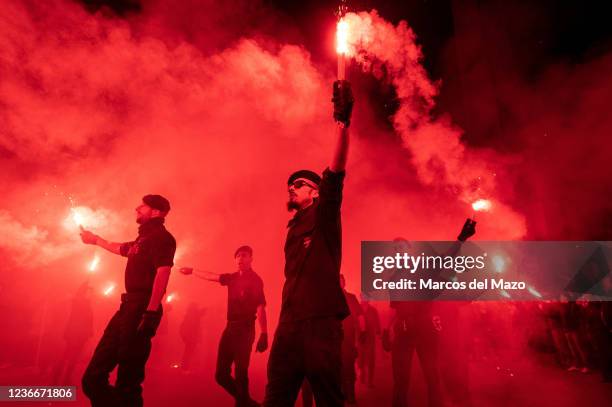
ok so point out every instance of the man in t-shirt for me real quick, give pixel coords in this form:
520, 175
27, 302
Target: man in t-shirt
245, 303
126, 341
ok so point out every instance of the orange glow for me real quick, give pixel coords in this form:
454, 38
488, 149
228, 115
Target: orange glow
342, 33
170, 298
109, 290
93, 265
481, 205
77, 217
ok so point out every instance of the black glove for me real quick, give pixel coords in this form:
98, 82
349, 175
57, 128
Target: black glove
469, 229
262, 343
343, 102
149, 323
386, 341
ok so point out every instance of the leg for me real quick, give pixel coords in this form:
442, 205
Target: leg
105, 358
371, 362
71, 360
244, 346
285, 367
427, 350
401, 362
362, 362
225, 358
348, 373
306, 394
323, 360
134, 351
188, 354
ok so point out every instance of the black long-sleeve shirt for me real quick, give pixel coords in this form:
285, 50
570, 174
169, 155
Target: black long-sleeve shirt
313, 255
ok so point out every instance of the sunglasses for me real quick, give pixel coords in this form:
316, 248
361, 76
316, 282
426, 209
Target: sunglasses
300, 183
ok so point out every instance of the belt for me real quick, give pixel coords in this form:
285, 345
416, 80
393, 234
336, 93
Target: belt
135, 297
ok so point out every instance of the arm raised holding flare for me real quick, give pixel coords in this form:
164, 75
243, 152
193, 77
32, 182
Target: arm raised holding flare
343, 101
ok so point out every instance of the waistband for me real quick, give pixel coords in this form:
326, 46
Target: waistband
135, 297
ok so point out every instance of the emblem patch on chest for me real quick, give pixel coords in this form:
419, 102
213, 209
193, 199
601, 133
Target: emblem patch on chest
134, 249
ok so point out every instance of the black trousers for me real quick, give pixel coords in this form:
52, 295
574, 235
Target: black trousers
349, 376
235, 348
123, 347
305, 349
422, 338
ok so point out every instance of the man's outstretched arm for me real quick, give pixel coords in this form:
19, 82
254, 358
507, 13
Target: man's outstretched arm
343, 107
91, 238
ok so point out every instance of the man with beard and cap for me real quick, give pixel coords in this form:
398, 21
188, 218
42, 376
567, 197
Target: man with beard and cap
126, 342
245, 303
307, 342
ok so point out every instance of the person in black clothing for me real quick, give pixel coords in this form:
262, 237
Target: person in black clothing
126, 342
307, 342
413, 327
79, 329
367, 349
353, 328
191, 334
245, 303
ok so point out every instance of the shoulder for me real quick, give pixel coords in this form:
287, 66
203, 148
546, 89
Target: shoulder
331, 175
255, 277
164, 236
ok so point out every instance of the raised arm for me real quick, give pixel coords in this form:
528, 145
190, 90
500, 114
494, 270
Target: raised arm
468, 230
343, 106
338, 163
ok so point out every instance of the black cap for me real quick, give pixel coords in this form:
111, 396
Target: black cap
157, 202
306, 174
243, 249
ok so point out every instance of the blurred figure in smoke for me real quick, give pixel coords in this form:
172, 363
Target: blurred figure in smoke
308, 340
126, 342
245, 303
413, 326
571, 316
353, 327
606, 332
367, 346
79, 329
191, 334
551, 311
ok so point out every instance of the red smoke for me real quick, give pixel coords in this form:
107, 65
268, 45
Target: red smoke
98, 111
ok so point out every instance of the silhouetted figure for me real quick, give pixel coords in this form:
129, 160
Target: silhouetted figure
245, 303
79, 328
191, 334
353, 328
307, 343
126, 341
571, 316
367, 348
414, 327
